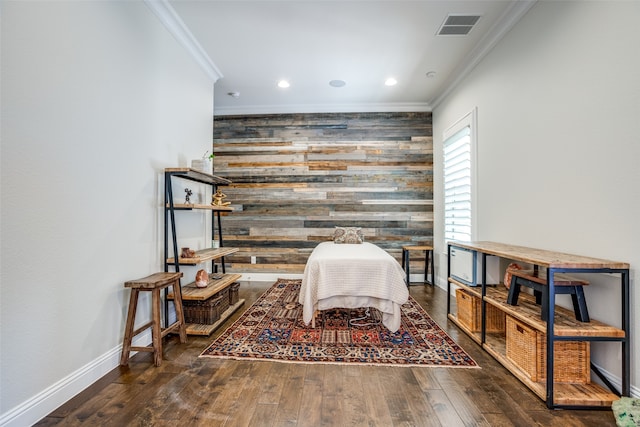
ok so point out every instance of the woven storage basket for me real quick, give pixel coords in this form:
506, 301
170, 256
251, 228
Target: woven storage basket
224, 304
233, 293
527, 348
204, 312
470, 313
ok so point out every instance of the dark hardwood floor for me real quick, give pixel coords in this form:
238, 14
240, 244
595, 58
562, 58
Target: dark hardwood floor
187, 390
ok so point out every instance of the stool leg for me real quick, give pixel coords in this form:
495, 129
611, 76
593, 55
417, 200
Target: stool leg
544, 304
177, 302
514, 292
580, 304
426, 267
128, 329
405, 264
433, 268
156, 331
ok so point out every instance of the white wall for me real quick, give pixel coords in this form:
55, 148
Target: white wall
97, 99
558, 105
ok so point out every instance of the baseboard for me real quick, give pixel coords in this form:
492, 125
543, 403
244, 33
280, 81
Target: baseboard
42, 404
617, 382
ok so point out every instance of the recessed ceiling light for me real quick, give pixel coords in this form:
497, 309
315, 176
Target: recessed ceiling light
337, 83
283, 84
431, 74
391, 82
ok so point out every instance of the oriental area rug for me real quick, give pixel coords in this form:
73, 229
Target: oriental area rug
273, 329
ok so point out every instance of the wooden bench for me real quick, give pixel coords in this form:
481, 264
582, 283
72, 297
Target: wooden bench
563, 284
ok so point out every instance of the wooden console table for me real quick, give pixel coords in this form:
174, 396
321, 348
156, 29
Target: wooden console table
559, 325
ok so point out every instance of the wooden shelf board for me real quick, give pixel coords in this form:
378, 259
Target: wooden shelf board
565, 323
203, 329
473, 335
198, 176
541, 257
204, 255
564, 393
475, 290
191, 292
201, 206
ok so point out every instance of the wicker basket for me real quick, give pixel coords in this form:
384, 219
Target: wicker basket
203, 312
527, 349
470, 313
233, 293
224, 304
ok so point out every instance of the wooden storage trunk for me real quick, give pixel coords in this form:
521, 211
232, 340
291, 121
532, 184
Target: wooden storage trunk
527, 349
470, 313
233, 293
203, 312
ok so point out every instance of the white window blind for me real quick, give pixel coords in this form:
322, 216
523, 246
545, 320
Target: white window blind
458, 186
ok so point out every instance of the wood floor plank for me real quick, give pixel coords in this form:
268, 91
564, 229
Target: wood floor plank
291, 399
264, 415
123, 408
225, 407
208, 412
419, 405
192, 391
425, 378
202, 392
457, 393
332, 395
396, 382
273, 383
443, 408
95, 405
376, 403
354, 411
311, 396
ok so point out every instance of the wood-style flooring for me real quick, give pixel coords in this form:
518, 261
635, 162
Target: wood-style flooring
186, 390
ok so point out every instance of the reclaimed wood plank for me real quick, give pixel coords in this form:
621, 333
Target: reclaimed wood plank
312, 166
542, 257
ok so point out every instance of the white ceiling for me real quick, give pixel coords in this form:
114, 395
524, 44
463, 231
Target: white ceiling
254, 44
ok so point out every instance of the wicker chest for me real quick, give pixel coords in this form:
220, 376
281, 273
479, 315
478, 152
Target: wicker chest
527, 349
205, 312
470, 313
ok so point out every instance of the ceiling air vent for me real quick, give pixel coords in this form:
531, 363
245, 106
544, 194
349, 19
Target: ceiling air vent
458, 25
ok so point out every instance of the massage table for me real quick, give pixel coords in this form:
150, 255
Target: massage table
353, 276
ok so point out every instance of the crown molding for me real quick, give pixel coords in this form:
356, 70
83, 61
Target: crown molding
407, 107
178, 29
509, 18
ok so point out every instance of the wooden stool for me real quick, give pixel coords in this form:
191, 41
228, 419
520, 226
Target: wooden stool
563, 284
406, 256
153, 283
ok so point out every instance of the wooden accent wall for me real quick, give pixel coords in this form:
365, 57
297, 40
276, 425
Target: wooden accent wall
297, 176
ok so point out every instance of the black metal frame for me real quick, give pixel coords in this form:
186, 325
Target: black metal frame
551, 338
169, 218
428, 262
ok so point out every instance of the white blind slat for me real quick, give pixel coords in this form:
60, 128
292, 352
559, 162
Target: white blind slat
457, 186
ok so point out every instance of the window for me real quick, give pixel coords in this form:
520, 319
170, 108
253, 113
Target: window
459, 180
